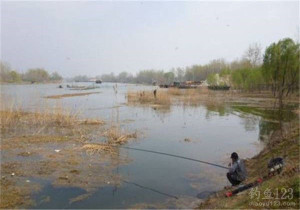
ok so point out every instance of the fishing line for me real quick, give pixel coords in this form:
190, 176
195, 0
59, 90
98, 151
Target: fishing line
171, 155
151, 189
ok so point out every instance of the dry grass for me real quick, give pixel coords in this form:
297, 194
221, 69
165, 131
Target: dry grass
115, 135
57, 117
147, 97
15, 122
93, 148
175, 91
70, 95
195, 97
42, 115
172, 96
200, 96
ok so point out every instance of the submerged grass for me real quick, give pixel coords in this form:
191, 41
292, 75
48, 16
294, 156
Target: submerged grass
59, 142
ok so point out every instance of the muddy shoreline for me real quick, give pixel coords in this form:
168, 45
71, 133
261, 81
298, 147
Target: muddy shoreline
37, 146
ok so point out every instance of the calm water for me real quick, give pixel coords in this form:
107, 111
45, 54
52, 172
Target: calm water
214, 132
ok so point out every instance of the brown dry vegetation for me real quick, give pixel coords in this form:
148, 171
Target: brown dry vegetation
147, 97
44, 116
55, 146
16, 122
203, 96
115, 135
174, 96
70, 95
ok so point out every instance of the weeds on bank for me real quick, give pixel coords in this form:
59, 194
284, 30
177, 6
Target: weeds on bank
14, 121
57, 117
173, 96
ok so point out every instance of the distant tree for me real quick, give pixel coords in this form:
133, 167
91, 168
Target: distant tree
240, 64
4, 72
108, 77
55, 77
253, 55
150, 76
212, 79
123, 77
81, 78
199, 73
281, 67
247, 79
169, 77
189, 74
179, 74
14, 76
36, 75
216, 65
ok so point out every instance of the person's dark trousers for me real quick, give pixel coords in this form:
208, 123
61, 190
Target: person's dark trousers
233, 179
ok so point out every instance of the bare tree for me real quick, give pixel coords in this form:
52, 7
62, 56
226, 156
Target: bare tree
253, 54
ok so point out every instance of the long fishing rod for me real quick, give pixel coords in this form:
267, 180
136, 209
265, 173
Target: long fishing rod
151, 189
171, 155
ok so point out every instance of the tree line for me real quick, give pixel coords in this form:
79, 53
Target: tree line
38, 75
251, 59
278, 70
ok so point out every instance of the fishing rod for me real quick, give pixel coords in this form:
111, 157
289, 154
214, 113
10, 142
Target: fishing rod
171, 155
151, 189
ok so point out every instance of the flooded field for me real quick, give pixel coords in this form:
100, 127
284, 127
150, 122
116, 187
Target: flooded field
86, 174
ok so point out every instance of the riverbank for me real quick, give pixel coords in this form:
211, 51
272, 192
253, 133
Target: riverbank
280, 191
282, 142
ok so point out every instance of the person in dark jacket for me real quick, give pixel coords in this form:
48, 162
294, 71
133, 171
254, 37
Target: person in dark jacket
237, 171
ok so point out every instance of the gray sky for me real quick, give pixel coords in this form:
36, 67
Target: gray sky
99, 37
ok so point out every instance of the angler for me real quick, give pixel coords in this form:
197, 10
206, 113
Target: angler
275, 166
237, 171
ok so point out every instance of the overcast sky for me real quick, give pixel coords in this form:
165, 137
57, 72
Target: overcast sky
101, 37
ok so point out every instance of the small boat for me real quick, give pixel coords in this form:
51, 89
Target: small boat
219, 87
98, 81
